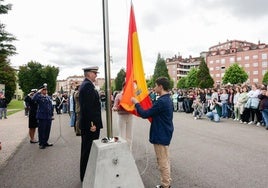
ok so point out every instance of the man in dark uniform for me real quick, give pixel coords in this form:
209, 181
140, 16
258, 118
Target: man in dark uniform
90, 119
44, 115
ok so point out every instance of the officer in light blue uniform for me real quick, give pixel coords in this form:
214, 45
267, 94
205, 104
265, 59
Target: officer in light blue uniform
44, 115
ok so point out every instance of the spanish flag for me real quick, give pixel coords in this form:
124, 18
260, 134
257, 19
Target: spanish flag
135, 80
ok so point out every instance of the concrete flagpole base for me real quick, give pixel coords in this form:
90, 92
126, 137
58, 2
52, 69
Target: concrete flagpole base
111, 165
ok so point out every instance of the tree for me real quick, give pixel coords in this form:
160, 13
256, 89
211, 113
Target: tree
182, 83
265, 78
33, 75
7, 73
191, 79
234, 75
204, 80
160, 70
120, 78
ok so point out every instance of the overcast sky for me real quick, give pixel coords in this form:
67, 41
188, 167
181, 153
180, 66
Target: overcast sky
69, 34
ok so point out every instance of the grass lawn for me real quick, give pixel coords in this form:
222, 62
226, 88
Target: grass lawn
14, 106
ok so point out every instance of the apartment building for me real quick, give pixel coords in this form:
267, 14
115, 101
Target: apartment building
179, 67
251, 57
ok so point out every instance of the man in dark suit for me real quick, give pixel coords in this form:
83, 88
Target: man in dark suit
90, 119
44, 115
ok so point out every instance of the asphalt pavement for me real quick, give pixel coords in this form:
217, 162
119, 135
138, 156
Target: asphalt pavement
203, 154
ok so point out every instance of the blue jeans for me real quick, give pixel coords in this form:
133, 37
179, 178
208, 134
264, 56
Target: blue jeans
265, 116
213, 116
224, 110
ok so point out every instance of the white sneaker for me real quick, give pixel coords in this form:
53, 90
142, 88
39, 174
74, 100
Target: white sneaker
195, 118
250, 122
258, 124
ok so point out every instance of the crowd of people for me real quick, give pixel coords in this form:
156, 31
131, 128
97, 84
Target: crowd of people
246, 104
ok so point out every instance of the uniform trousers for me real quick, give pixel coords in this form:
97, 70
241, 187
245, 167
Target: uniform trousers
44, 126
162, 155
87, 139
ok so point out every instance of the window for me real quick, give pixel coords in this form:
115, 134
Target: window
222, 68
211, 62
255, 72
264, 56
217, 68
217, 75
222, 61
217, 61
238, 58
255, 80
247, 65
264, 64
246, 57
222, 74
211, 68
255, 57
211, 75
231, 59
263, 72
255, 64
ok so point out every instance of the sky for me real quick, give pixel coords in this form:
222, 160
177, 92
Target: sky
69, 34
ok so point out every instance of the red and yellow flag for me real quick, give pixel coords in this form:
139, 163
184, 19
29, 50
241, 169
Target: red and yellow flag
135, 80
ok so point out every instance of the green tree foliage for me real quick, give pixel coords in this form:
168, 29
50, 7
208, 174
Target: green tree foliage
234, 75
182, 83
160, 71
191, 79
8, 78
120, 78
204, 80
34, 75
7, 73
265, 78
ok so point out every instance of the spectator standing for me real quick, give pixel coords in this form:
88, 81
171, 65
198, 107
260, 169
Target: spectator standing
161, 129
264, 106
77, 111
103, 100
254, 105
243, 109
3, 106
237, 116
44, 115
90, 119
224, 103
175, 101
180, 101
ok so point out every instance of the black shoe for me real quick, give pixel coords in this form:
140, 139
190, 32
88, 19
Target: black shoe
160, 186
42, 147
48, 144
33, 142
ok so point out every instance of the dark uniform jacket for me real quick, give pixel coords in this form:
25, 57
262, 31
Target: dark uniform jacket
90, 107
45, 107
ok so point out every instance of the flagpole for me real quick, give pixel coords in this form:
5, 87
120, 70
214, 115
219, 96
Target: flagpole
107, 68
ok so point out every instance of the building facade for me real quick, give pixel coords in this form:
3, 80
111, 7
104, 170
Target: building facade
179, 67
251, 57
